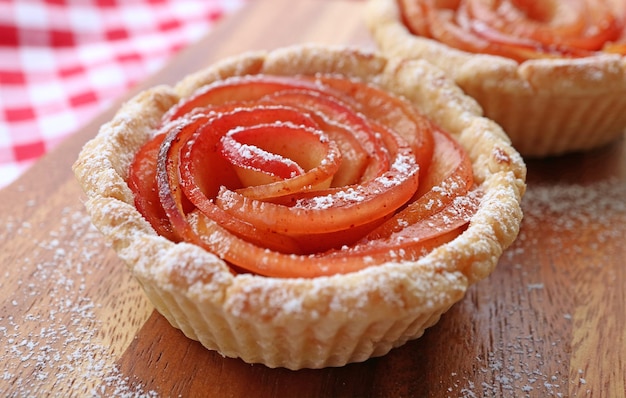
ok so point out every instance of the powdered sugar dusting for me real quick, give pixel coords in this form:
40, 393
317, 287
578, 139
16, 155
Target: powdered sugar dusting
512, 375
50, 336
565, 217
575, 205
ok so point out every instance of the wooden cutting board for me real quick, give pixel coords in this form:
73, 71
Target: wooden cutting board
550, 321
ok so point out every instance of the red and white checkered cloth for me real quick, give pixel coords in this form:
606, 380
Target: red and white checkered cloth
63, 61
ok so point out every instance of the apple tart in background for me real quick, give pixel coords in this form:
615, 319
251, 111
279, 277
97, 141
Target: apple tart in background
551, 73
305, 207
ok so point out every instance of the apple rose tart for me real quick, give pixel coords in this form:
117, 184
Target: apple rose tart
305, 207
551, 73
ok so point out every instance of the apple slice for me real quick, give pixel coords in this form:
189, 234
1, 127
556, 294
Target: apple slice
142, 181
337, 208
450, 177
393, 112
363, 154
238, 89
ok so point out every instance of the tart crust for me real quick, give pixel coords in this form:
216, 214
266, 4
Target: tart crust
546, 106
297, 322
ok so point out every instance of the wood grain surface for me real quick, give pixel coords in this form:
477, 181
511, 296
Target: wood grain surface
549, 322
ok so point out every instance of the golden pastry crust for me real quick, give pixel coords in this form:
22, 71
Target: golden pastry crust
298, 322
546, 106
